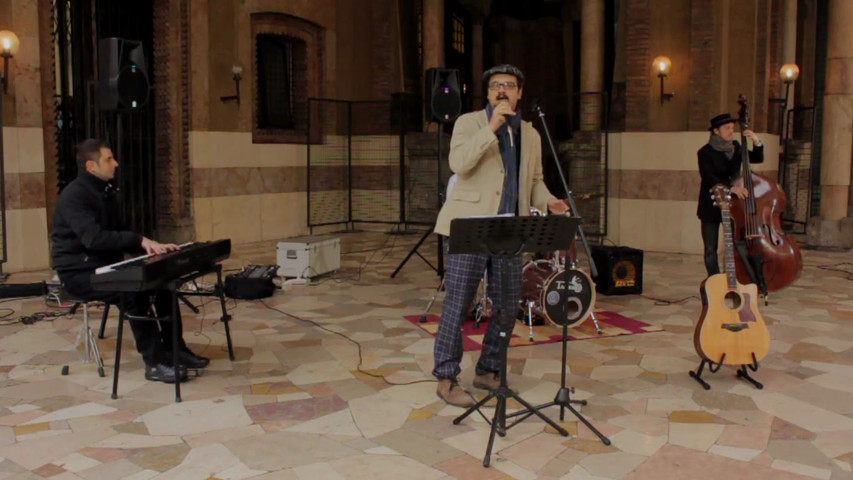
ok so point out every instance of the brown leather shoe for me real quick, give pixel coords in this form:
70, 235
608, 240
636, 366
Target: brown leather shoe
490, 381
451, 392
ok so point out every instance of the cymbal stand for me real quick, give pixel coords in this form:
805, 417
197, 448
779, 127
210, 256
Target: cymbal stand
440, 287
529, 304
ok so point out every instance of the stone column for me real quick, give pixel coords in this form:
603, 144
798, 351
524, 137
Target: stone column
592, 62
834, 227
433, 34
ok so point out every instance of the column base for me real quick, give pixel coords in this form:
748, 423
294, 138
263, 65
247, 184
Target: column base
830, 233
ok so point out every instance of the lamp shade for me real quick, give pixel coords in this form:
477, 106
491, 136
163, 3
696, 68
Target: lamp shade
789, 72
9, 42
662, 65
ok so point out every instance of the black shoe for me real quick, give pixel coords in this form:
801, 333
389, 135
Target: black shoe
188, 359
164, 373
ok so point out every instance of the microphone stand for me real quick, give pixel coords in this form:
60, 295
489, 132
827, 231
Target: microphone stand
563, 399
568, 192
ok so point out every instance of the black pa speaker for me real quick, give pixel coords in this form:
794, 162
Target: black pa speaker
620, 270
122, 74
442, 94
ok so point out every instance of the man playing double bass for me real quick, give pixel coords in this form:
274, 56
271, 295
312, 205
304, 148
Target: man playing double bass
720, 163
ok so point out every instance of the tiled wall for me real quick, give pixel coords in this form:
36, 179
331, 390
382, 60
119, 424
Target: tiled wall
251, 192
654, 188
26, 223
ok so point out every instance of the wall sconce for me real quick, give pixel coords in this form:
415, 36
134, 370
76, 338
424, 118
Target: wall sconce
662, 66
237, 75
8, 48
789, 74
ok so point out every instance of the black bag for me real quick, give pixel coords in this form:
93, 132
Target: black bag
252, 283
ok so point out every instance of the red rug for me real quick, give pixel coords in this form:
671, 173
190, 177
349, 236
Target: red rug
612, 325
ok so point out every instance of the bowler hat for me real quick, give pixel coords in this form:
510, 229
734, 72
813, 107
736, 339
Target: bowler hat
721, 120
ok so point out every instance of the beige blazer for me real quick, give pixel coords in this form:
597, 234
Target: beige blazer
476, 161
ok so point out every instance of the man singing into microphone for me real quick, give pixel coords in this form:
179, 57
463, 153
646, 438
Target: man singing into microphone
497, 159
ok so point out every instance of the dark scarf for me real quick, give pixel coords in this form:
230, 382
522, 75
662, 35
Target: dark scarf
509, 155
720, 144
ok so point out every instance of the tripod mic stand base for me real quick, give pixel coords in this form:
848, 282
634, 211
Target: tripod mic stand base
498, 422
564, 403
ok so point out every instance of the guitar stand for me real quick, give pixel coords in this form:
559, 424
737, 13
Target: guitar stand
742, 372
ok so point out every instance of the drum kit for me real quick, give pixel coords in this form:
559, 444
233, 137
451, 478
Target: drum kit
554, 290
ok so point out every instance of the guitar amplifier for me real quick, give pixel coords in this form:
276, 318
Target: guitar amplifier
620, 270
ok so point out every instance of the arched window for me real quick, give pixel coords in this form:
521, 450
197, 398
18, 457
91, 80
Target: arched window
288, 69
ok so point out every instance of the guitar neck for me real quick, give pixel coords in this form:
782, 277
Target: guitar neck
729, 253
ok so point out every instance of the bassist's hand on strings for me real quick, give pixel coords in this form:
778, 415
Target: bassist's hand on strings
740, 192
752, 136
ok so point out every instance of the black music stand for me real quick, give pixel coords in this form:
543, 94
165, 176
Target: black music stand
563, 399
505, 237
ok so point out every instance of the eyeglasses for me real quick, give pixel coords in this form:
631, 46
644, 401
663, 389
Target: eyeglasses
506, 85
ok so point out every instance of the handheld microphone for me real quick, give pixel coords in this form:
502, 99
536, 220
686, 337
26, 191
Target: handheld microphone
507, 117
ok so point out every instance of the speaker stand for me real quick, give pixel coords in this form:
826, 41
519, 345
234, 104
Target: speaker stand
439, 269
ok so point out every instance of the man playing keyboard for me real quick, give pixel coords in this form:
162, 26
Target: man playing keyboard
87, 233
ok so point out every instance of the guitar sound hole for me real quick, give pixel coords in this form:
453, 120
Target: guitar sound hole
733, 300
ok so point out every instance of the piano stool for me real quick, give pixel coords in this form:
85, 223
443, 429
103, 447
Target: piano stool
85, 335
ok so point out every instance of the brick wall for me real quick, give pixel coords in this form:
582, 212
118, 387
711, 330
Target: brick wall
702, 44
775, 87
638, 65
759, 104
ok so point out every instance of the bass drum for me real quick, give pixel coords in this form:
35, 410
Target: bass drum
534, 277
568, 297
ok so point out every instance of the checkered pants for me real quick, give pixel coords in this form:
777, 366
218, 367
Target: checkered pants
461, 277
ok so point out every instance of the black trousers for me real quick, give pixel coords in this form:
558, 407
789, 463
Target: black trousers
710, 238
153, 339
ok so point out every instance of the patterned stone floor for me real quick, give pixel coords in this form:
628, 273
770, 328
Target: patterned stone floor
330, 382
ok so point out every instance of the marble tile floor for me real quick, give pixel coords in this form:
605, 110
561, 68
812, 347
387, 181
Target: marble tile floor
330, 382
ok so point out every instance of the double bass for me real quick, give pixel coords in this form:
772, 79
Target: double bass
773, 256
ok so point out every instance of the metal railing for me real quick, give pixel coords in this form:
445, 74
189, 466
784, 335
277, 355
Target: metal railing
797, 168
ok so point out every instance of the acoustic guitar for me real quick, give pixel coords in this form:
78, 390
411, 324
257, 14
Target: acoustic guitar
730, 330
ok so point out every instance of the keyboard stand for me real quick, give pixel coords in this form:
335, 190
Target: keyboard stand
218, 291
173, 286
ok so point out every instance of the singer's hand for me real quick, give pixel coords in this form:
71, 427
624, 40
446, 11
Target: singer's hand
499, 115
555, 205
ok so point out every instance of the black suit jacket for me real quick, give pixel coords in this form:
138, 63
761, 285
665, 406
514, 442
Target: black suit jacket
87, 229
715, 168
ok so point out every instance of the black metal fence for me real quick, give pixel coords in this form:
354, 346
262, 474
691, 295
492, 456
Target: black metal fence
354, 163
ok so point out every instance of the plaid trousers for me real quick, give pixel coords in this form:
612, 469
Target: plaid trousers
461, 277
